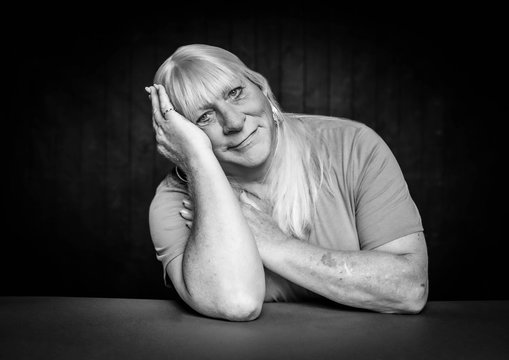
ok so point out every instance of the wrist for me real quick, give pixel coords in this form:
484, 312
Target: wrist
201, 161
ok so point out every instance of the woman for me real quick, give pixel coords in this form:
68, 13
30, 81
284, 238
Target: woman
269, 206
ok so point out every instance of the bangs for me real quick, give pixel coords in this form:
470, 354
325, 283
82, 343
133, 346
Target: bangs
194, 84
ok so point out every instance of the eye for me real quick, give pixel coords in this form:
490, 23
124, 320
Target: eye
235, 93
205, 119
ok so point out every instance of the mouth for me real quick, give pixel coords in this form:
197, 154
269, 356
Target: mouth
244, 142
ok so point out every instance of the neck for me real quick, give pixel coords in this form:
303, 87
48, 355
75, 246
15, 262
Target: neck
255, 185
251, 176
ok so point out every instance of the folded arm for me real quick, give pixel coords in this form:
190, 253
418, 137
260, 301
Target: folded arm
391, 279
220, 274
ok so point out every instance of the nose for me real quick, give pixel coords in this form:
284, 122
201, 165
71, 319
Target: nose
233, 120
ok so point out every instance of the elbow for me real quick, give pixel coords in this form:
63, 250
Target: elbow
415, 298
227, 302
231, 308
241, 308
410, 297
413, 294
241, 303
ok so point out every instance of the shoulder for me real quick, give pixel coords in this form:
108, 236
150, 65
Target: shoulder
171, 182
336, 130
170, 189
324, 121
332, 124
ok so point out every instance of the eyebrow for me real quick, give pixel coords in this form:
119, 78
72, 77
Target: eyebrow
226, 90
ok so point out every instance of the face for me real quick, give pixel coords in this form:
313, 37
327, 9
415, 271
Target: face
240, 126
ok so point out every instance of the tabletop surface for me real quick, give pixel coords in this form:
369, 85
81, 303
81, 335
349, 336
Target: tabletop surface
101, 328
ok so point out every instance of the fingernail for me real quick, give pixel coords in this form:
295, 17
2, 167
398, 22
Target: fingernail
186, 202
184, 212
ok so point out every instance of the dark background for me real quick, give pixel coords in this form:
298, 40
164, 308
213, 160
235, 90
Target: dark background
79, 155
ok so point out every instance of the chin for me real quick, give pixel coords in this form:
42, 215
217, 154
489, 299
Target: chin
256, 158
259, 153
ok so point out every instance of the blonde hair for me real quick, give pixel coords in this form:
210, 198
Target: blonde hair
300, 166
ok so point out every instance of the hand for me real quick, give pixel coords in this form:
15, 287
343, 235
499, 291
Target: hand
187, 212
178, 139
263, 227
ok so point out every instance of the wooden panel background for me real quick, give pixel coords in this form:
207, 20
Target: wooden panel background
83, 166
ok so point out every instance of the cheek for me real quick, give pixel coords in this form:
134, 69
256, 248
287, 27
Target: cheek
259, 105
215, 134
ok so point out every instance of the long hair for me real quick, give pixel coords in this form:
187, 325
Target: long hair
300, 165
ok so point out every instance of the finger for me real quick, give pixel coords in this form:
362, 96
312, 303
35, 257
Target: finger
186, 214
156, 106
147, 89
188, 204
155, 126
164, 102
161, 137
158, 122
154, 99
162, 150
247, 201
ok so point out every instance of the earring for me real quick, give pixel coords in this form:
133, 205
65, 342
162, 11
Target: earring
184, 179
274, 114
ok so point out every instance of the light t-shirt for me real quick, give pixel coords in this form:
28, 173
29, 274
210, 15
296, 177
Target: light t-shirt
371, 204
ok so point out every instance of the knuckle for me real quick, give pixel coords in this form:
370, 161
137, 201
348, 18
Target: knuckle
160, 139
161, 149
159, 130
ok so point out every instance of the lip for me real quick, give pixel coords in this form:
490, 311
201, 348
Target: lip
245, 142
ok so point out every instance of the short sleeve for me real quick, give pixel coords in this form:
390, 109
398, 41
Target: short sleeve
384, 209
167, 228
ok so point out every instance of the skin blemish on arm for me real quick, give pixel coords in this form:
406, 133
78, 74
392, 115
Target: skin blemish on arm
328, 260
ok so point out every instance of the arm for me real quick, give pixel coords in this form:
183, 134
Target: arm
220, 273
391, 279
387, 278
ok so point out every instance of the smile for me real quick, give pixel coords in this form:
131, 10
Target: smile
247, 141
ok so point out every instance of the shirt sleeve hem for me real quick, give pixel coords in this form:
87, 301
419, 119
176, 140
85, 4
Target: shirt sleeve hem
382, 241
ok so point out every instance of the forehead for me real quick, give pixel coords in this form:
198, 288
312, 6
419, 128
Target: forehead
212, 91
195, 84
219, 92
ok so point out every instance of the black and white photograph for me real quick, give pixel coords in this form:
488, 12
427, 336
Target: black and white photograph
221, 180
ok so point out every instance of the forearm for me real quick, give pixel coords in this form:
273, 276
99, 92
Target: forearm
221, 266
374, 280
